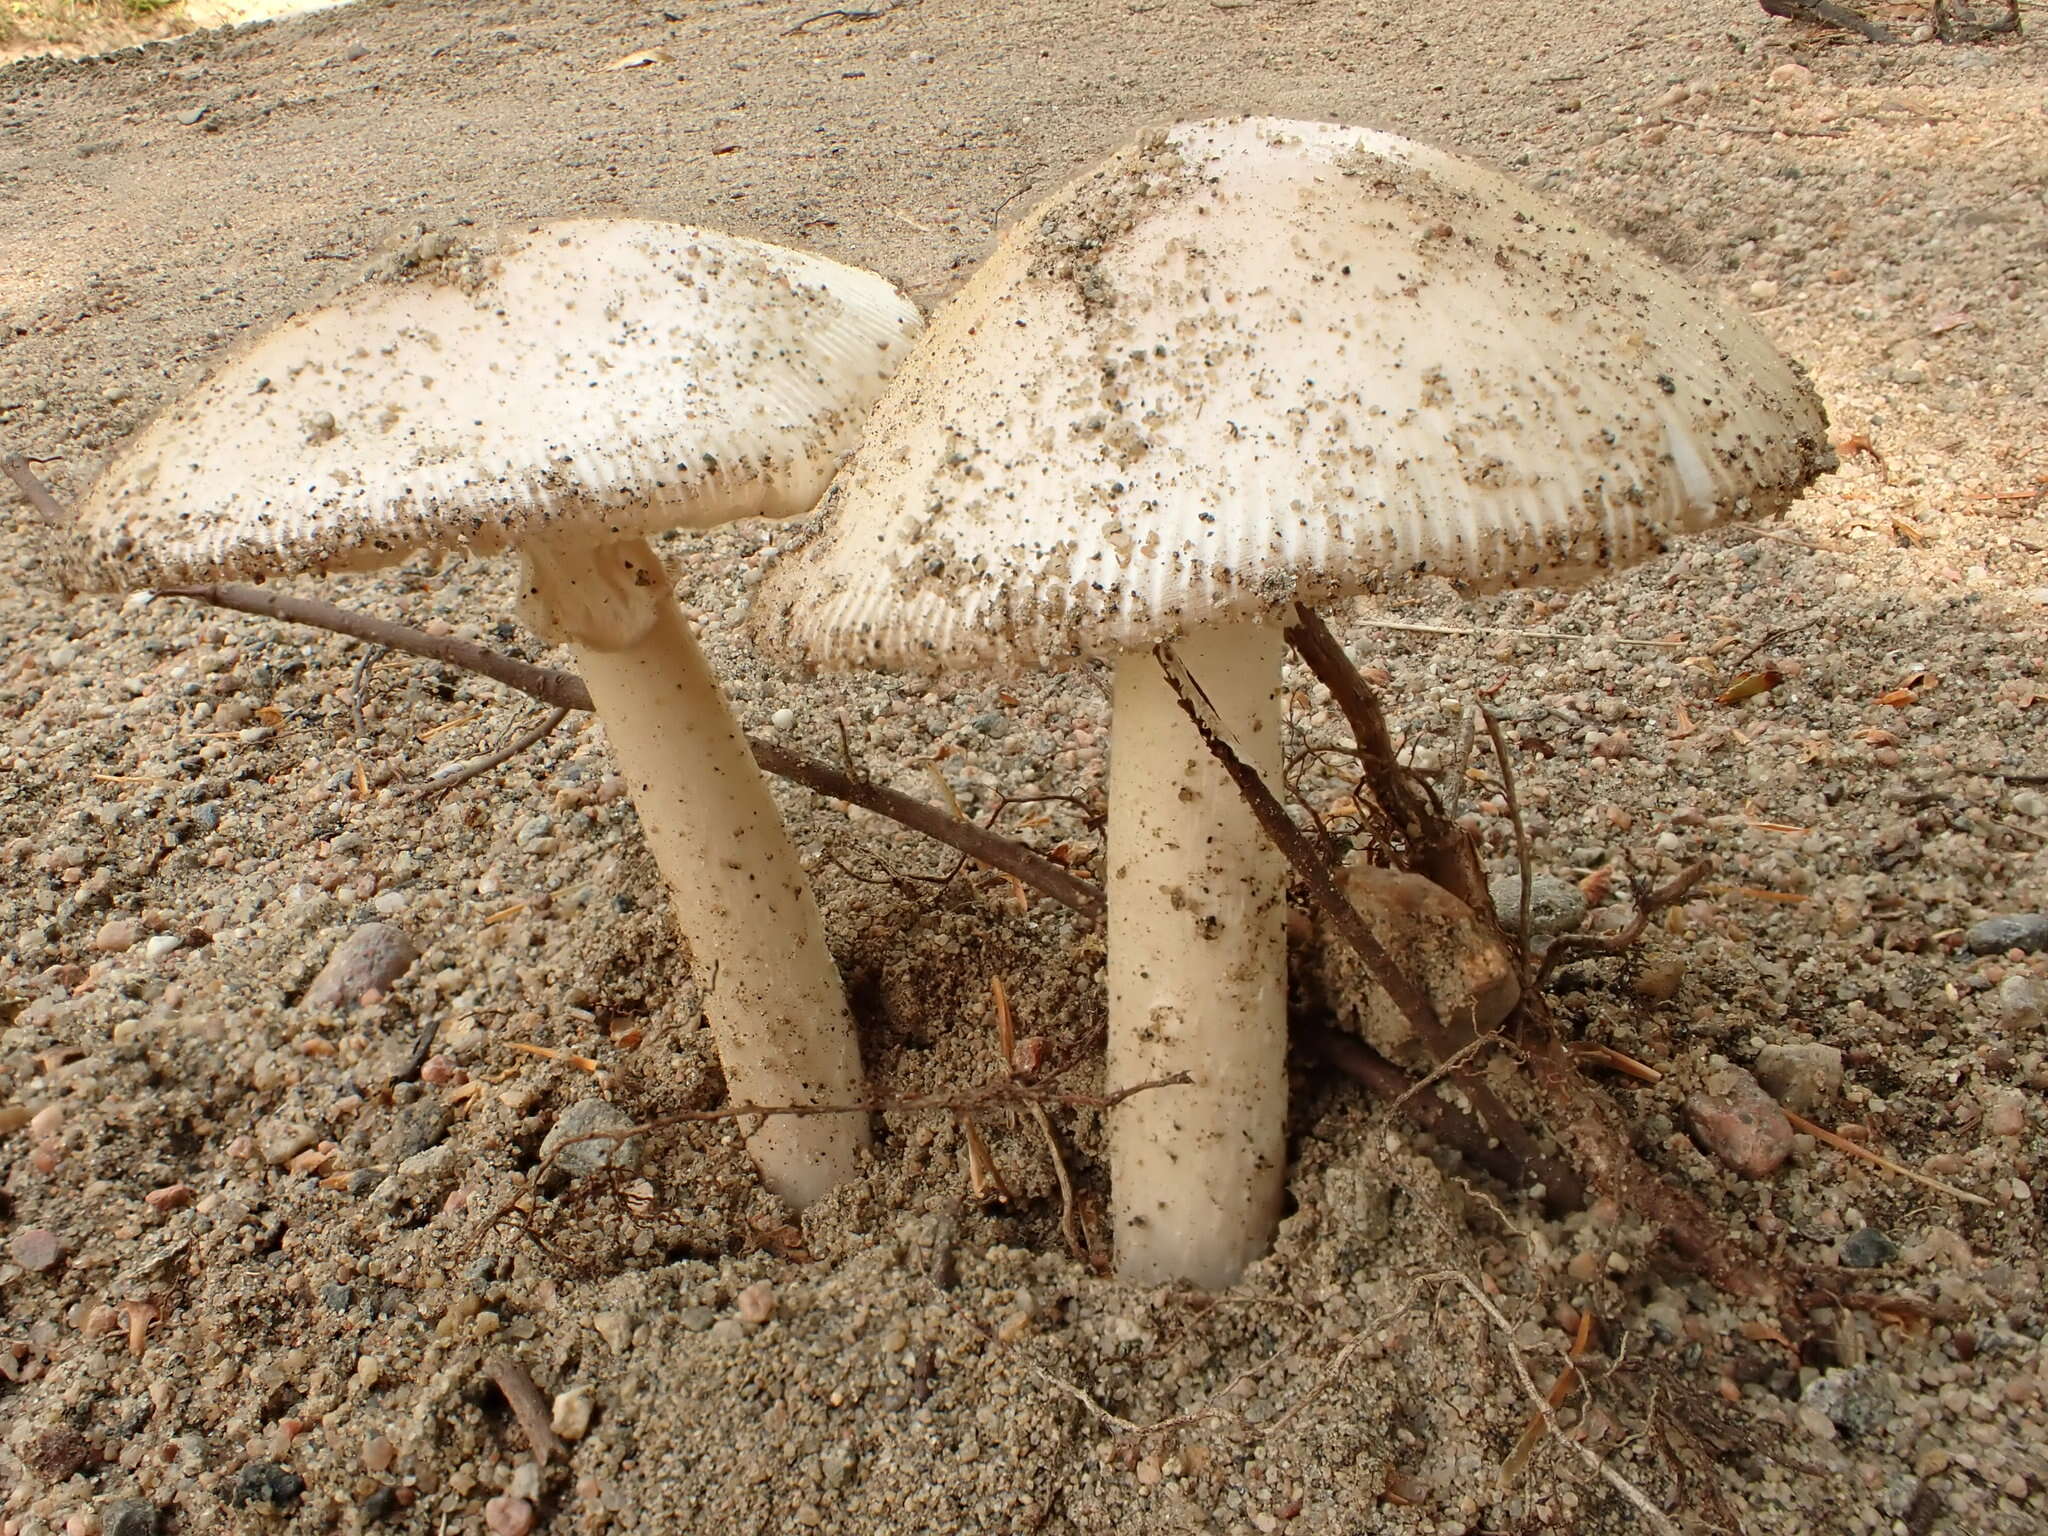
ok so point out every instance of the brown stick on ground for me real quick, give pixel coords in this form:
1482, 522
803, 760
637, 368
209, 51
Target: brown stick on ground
1585, 1121
1826, 13
564, 690
1309, 862
1437, 848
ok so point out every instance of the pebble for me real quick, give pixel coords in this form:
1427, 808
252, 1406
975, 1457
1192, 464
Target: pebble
1868, 1249
616, 1329
279, 1141
36, 1249
589, 1117
1740, 1123
570, 1415
2022, 1001
368, 960
508, 1517
1805, 1077
696, 1319
415, 1129
756, 1304
1995, 935
1433, 938
1855, 1400
265, 1482
162, 944
783, 719
1555, 905
130, 1517
1659, 983
117, 936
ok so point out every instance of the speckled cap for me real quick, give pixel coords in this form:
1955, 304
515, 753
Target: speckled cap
1251, 361
601, 376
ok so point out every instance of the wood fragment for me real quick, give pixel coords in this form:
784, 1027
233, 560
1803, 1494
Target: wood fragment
1856, 1149
528, 1406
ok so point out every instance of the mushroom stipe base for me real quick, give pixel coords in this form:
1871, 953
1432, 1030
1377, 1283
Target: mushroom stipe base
770, 990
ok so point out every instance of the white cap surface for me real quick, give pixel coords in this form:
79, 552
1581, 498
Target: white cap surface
1252, 361
614, 376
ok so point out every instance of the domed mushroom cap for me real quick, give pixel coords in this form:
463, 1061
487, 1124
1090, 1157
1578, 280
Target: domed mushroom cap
618, 375
1251, 361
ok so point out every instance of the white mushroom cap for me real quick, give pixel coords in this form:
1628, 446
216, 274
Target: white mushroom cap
616, 375
1251, 361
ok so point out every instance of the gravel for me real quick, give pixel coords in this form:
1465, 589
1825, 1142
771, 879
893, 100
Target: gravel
936, 1360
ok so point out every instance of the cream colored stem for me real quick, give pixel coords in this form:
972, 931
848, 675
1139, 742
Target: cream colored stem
1197, 968
769, 987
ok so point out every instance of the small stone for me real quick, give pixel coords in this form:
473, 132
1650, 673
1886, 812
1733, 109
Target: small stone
265, 1482
1791, 77
160, 945
58, 1453
1467, 973
114, 937
756, 1304
616, 1329
508, 1517
2026, 931
570, 1415
191, 115
2022, 1002
696, 1319
379, 1454
36, 1249
130, 1517
417, 1128
1868, 1249
2006, 1115
368, 960
279, 1141
1659, 983
1816, 1424
169, 1197
1555, 905
729, 1330
1740, 1124
1804, 1076
783, 718
835, 1463
594, 1118
1855, 1401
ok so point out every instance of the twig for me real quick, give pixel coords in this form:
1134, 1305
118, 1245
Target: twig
1647, 905
1317, 875
1826, 13
564, 690
1562, 1189
1437, 848
1844, 1144
476, 767
1507, 789
355, 691
1656, 1518
1511, 631
528, 1406
37, 494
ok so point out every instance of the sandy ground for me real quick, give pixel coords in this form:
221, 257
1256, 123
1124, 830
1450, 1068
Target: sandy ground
249, 1282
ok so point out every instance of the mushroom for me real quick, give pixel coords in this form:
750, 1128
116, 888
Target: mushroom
567, 390
1240, 365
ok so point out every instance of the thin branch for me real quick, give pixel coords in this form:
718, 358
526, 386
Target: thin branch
38, 494
1647, 903
1507, 789
1436, 1115
564, 690
1657, 1520
461, 773
1826, 13
1442, 1040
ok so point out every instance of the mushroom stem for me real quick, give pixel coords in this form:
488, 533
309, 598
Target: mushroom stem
769, 987
1197, 968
